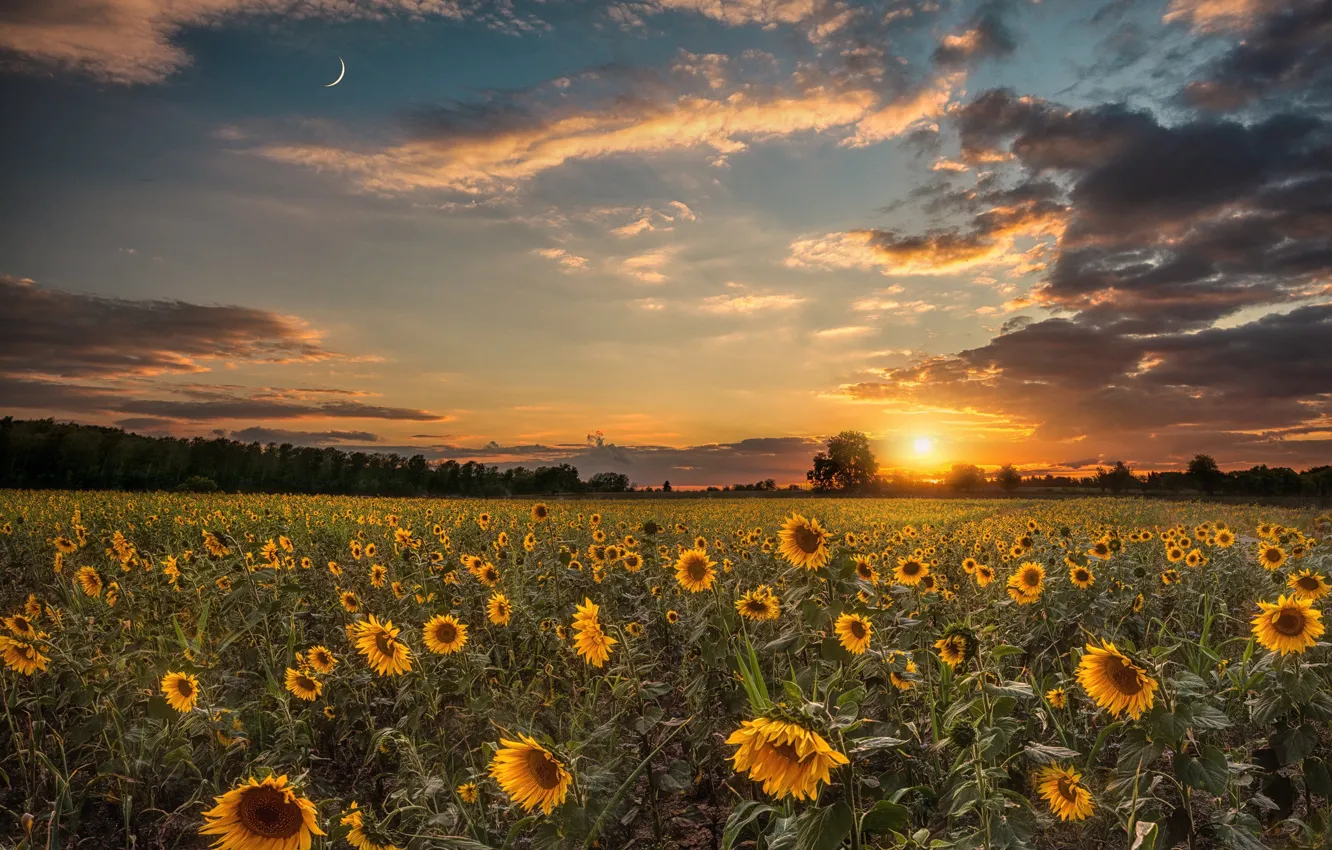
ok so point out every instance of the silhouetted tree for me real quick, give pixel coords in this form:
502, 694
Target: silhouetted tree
964, 477
608, 482
848, 464
1008, 478
1117, 479
1205, 473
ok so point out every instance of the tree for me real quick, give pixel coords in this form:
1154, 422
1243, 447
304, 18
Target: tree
1115, 480
666, 487
608, 482
965, 476
848, 464
1204, 472
1008, 478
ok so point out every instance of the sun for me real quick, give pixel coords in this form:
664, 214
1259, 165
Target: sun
922, 446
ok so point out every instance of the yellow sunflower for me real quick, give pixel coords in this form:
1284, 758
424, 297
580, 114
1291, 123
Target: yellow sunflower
901, 682
984, 575
1115, 682
593, 644
1270, 555
1027, 584
499, 610
262, 814
21, 656
362, 836
853, 631
540, 512
303, 685
21, 625
1081, 577
1288, 625
804, 542
788, 759
952, 649
379, 643
181, 691
909, 571
1062, 788
694, 570
865, 570
349, 601
759, 604
1057, 697
444, 635
89, 581
320, 659
1308, 585
469, 792
530, 774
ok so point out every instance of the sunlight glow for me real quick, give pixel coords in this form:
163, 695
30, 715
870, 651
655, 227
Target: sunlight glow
922, 446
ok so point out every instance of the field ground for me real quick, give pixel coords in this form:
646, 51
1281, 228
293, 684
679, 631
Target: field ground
662, 673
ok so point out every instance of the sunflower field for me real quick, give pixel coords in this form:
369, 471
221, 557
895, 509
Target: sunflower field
260, 672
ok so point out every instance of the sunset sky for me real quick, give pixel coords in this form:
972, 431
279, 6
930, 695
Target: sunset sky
716, 231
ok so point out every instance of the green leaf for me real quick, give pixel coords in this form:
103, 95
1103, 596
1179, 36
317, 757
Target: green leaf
885, 817
1207, 773
1209, 717
1145, 834
1004, 650
824, 829
1317, 777
783, 643
864, 746
679, 776
1045, 754
1010, 689
1295, 743
742, 816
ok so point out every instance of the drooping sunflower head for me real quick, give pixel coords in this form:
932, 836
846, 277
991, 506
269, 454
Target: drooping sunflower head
379, 643
1115, 681
1289, 625
264, 814
499, 610
1062, 788
804, 542
853, 632
957, 645
181, 691
788, 759
694, 570
444, 635
530, 774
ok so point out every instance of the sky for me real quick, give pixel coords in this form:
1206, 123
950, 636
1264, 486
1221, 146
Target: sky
680, 239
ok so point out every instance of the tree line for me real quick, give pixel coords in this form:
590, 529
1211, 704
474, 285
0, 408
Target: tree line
43, 453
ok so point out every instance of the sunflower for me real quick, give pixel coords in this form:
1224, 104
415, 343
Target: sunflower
1115, 682
540, 512
1288, 625
1062, 788
21, 625
21, 656
488, 574
1225, 538
1308, 585
694, 570
379, 643
853, 631
901, 682
672, 617
499, 610
89, 581
444, 635
469, 792
804, 542
790, 760
320, 659
969, 566
1057, 697
1027, 584
303, 685
363, 837
759, 604
593, 644
1170, 577
262, 815
349, 601
865, 570
530, 774
378, 572
910, 571
1100, 549
181, 691
1270, 555
984, 575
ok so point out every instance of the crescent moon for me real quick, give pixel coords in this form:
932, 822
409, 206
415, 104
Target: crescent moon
341, 74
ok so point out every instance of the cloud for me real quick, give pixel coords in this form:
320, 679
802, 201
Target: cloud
568, 262
66, 334
845, 332
134, 41
749, 304
987, 37
647, 267
905, 113
257, 434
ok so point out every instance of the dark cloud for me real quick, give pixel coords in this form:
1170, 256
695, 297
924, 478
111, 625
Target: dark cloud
47, 332
1285, 57
34, 394
257, 434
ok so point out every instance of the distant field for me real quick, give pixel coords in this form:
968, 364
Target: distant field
676, 673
